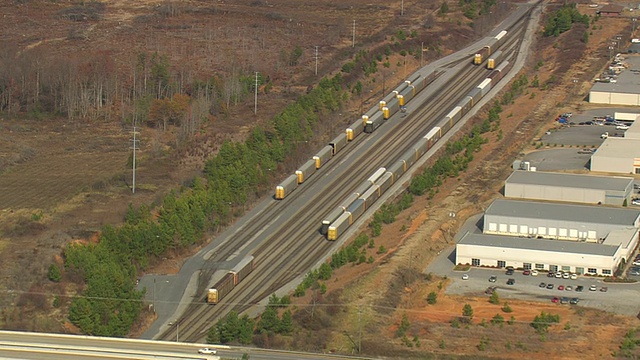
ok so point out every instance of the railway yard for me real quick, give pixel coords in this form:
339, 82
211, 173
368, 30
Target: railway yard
283, 235
407, 298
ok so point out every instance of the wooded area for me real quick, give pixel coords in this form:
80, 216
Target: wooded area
110, 304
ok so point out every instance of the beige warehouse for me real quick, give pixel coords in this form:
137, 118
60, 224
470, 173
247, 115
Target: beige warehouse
552, 236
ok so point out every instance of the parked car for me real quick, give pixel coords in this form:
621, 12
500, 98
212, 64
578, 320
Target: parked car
534, 272
564, 300
493, 278
579, 288
511, 281
574, 301
465, 276
526, 272
566, 275
555, 299
560, 287
568, 288
509, 271
542, 285
551, 274
635, 202
604, 289
622, 127
549, 286
558, 275
593, 288
574, 276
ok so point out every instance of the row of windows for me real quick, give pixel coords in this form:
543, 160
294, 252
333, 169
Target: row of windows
554, 268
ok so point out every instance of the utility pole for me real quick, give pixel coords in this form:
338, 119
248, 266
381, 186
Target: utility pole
255, 108
316, 60
353, 40
421, 52
359, 329
134, 148
154, 295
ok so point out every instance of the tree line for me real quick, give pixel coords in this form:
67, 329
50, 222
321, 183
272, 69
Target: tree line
108, 302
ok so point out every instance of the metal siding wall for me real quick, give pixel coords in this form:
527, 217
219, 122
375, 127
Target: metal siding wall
598, 97
624, 99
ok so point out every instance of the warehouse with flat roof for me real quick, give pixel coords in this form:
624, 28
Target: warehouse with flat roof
552, 236
577, 188
617, 155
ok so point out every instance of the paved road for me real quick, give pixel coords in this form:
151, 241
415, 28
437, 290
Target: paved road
620, 298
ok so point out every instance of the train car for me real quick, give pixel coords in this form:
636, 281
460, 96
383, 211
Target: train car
430, 78
398, 169
339, 226
500, 38
481, 54
494, 43
243, 269
392, 107
349, 199
221, 288
338, 143
497, 74
362, 188
330, 218
387, 99
374, 122
421, 147
433, 136
494, 60
377, 174
409, 158
385, 182
405, 96
354, 130
413, 78
286, 187
485, 87
466, 104
306, 170
370, 196
475, 96
454, 116
357, 208
323, 156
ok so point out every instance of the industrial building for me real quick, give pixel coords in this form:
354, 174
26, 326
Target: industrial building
617, 155
551, 236
626, 88
577, 188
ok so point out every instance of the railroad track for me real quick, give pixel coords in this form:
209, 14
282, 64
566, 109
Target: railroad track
289, 243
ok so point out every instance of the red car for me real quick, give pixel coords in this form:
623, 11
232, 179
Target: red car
555, 300
560, 287
526, 272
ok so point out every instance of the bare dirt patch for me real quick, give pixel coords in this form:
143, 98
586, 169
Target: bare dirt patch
567, 80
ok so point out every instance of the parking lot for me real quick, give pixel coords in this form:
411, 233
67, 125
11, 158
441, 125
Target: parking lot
560, 147
619, 298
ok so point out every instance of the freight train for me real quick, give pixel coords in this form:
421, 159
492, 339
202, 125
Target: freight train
369, 122
339, 220
376, 116
227, 280
487, 50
